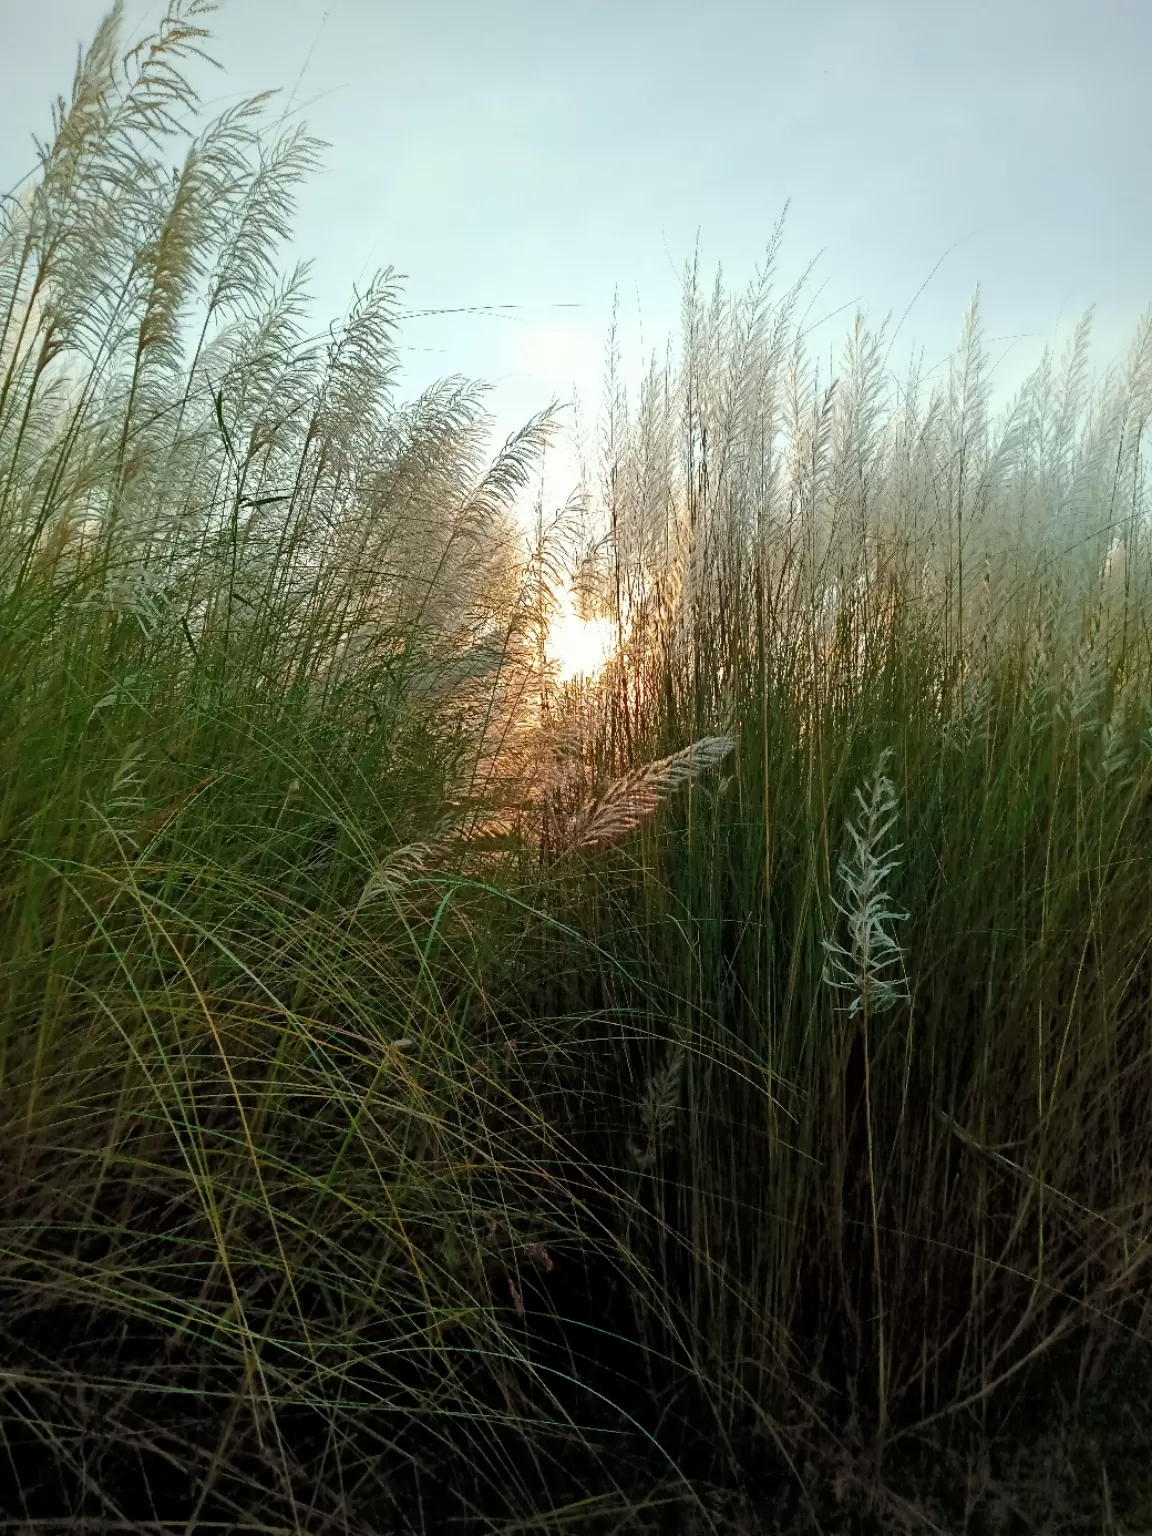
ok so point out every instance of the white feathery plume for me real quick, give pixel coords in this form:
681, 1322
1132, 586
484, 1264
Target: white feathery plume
870, 966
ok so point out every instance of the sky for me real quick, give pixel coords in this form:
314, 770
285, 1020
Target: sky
526, 159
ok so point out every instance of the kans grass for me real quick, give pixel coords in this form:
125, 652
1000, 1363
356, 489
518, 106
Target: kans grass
711, 1097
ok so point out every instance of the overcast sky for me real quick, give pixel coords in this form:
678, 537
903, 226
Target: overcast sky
540, 154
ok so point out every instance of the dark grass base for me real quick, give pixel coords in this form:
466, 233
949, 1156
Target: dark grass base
94, 1438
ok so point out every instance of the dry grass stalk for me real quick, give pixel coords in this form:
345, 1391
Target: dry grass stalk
658, 1107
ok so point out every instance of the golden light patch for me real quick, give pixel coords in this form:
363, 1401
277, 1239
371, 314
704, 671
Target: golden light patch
578, 647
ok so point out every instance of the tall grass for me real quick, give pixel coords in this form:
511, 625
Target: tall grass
260, 628
904, 1164
409, 1063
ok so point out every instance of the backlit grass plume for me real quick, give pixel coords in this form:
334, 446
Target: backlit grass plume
633, 798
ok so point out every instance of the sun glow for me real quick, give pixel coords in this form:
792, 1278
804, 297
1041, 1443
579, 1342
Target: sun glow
578, 647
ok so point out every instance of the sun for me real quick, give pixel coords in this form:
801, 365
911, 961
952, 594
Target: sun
578, 647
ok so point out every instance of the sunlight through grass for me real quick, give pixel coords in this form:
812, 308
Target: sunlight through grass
415, 1074
578, 647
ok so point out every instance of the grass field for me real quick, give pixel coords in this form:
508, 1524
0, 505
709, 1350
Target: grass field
710, 1096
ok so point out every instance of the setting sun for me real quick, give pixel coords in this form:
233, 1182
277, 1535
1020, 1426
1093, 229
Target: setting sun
578, 647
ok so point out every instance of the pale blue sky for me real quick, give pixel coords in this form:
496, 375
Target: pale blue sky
541, 154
